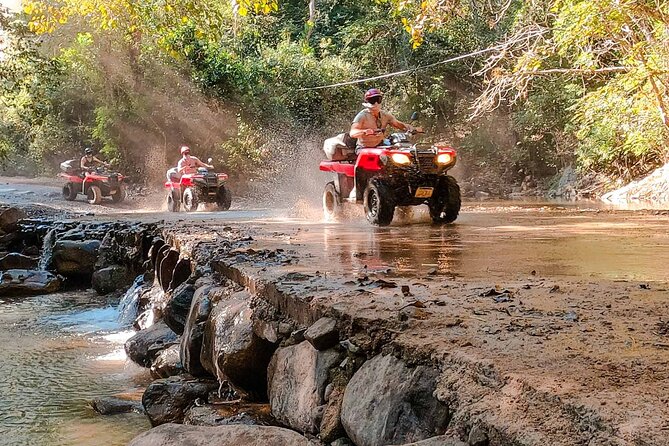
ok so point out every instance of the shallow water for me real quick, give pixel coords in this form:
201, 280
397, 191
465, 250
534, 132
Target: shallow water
59, 352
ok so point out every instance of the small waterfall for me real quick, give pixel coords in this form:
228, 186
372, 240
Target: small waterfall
47, 250
128, 307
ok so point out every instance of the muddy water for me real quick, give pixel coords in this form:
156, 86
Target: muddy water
59, 352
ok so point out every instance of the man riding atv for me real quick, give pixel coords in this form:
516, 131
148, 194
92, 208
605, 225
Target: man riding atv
187, 164
88, 165
369, 125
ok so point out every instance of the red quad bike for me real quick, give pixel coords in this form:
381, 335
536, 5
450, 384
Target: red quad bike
381, 178
97, 184
195, 188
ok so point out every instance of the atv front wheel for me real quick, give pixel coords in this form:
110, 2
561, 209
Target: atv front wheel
378, 203
331, 202
173, 201
223, 198
445, 206
189, 199
70, 191
94, 195
120, 194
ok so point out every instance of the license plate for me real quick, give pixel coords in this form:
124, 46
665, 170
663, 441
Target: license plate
424, 192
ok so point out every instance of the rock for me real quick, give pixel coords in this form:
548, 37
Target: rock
166, 269
113, 405
21, 282
75, 258
158, 258
167, 400
229, 414
109, 279
9, 219
439, 441
146, 344
477, 436
31, 251
331, 427
231, 350
266, 330
178, 307
156, 246
182, 271
191, 339
15, 260
180, 435
167, 363
323, 334
297, 378
387, 402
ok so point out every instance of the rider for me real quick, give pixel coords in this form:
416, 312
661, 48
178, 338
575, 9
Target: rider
89, 162
369, 125
189, 164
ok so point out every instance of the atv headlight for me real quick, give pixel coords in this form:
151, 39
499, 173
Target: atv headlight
400, 158
444, 158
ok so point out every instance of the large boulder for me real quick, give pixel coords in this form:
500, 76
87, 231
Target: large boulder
388, 403
167, 400
182, 271
180, 435
191, 340
9, 219
14, 260
297, 379
75, 258
146, 344
109, 279
178, 307
21, 282
167, 363
231, 350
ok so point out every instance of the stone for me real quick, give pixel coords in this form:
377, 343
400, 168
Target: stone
331, 427
178, 307
266, 330
166, 269
160, 255
477, 436
387, 402
297, 378
181, 435
323, 334
21, 282
15, 260
438, 441
231, 350
75, 258
146, 344
167, 363
113, 405
156, 246
167, 400
182, 271
229, 414
109, 279
191, 339
9, 219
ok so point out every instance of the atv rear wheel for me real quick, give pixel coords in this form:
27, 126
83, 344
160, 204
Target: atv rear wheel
189, 199
120, 194
223, 198
94, 195
378, 204
331, 202
445, 206
173, 201
70, 191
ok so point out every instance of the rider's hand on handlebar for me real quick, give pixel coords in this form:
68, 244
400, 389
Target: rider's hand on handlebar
370, 132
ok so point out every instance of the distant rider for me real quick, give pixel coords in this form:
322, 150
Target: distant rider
89, 162
369, 125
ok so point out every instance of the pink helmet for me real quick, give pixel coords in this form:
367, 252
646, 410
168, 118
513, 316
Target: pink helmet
373, 92
185, 149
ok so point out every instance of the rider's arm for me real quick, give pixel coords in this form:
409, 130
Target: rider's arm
357, 130
400, 125
82, 163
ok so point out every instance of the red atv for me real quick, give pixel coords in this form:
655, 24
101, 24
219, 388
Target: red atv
195, 188
97, 184
399, 174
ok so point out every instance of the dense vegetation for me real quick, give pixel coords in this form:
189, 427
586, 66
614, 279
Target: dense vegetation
566, 82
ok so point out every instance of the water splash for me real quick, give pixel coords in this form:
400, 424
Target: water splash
47, 250
128, 307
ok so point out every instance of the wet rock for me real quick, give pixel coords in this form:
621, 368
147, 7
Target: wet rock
438, 441
182, 271
113, 405
9, 219
167, 363
175, 434
160, 255
166, 269
156, 246
297, 379
266, 330
15, 260
331, 427
387, 402
31, 251
75, 258
323, 334
229, 414
167, 400
191, 339
178, 307
231, 350
21, 282
109, 279
146, 344
477, 436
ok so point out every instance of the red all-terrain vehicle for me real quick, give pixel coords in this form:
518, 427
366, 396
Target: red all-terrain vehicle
97, 184
381, 178
194, 188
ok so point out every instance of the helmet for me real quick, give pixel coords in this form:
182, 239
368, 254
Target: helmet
185, 149
372, 93
88, 151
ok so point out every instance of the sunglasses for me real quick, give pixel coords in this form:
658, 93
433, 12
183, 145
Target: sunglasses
375, 100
